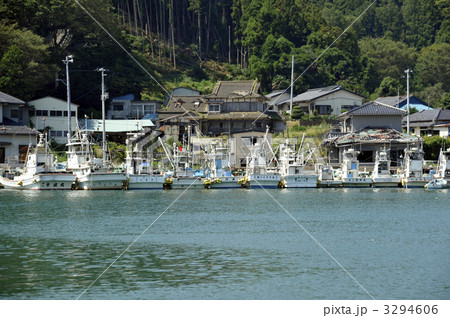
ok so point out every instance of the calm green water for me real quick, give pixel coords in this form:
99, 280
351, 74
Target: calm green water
225, 244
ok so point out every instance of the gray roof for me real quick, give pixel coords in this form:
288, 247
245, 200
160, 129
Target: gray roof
431, 115
374, 109
235, 89
312, 94
390, 100
8, 99
238, 116
181, 104
17, 130
277, 97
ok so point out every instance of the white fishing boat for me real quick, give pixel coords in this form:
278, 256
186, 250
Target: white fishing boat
139, 170
413, 176
219, 176
444, 165
91, 173
436, 184
183, 175
351, 176
292, 168
382, 176
40, 172
327, 177
258, 174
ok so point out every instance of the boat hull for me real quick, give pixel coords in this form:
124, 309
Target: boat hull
386, 182
415, 182
264, 181
145, 182
329, 184
46, 181
436, 184
224, 183
356, 182
187, 183
300, 181
101, 181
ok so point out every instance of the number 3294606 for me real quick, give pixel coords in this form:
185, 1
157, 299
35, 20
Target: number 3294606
412, 309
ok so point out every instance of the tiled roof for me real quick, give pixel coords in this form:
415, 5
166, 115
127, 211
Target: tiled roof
235, 89
17, 130
315, 93
181, 104
8, 99
436, 115
375, 136
390, 100
238, 116
373, 109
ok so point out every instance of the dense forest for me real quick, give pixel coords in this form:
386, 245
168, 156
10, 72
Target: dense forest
150, 46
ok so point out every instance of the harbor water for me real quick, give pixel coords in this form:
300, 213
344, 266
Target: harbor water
225, 244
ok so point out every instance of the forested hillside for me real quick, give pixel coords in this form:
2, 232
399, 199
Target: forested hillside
197, 42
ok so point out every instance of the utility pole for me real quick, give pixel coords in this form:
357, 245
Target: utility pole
292, 85
69, 59
103, 97
407, 99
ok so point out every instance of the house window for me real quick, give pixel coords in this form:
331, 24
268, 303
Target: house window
118, 107
324, 109
52, 133
14, 113
53, 113
38, 112
2, 155
214, 108
149, 109
59, 113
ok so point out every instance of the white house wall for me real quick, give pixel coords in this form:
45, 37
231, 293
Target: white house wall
339, 99
57, 123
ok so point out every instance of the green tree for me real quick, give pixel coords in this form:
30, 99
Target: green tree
24, 61
390, 58
297, 112
444, 102
389, 86
433, 65
422, 20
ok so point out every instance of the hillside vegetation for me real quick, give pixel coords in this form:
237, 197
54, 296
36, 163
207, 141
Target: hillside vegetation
195, 43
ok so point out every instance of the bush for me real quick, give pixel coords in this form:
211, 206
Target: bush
432, 146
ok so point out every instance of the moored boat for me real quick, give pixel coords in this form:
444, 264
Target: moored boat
292, 168
258, 174
91, 173
382, 176
413, 176
40, 172
327, 178
351, 176
436, 184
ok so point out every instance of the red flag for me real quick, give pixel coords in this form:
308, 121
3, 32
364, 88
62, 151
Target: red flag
180, 149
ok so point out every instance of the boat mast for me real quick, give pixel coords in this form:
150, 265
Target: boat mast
407, 99
292, 86
103, 97
69, 59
